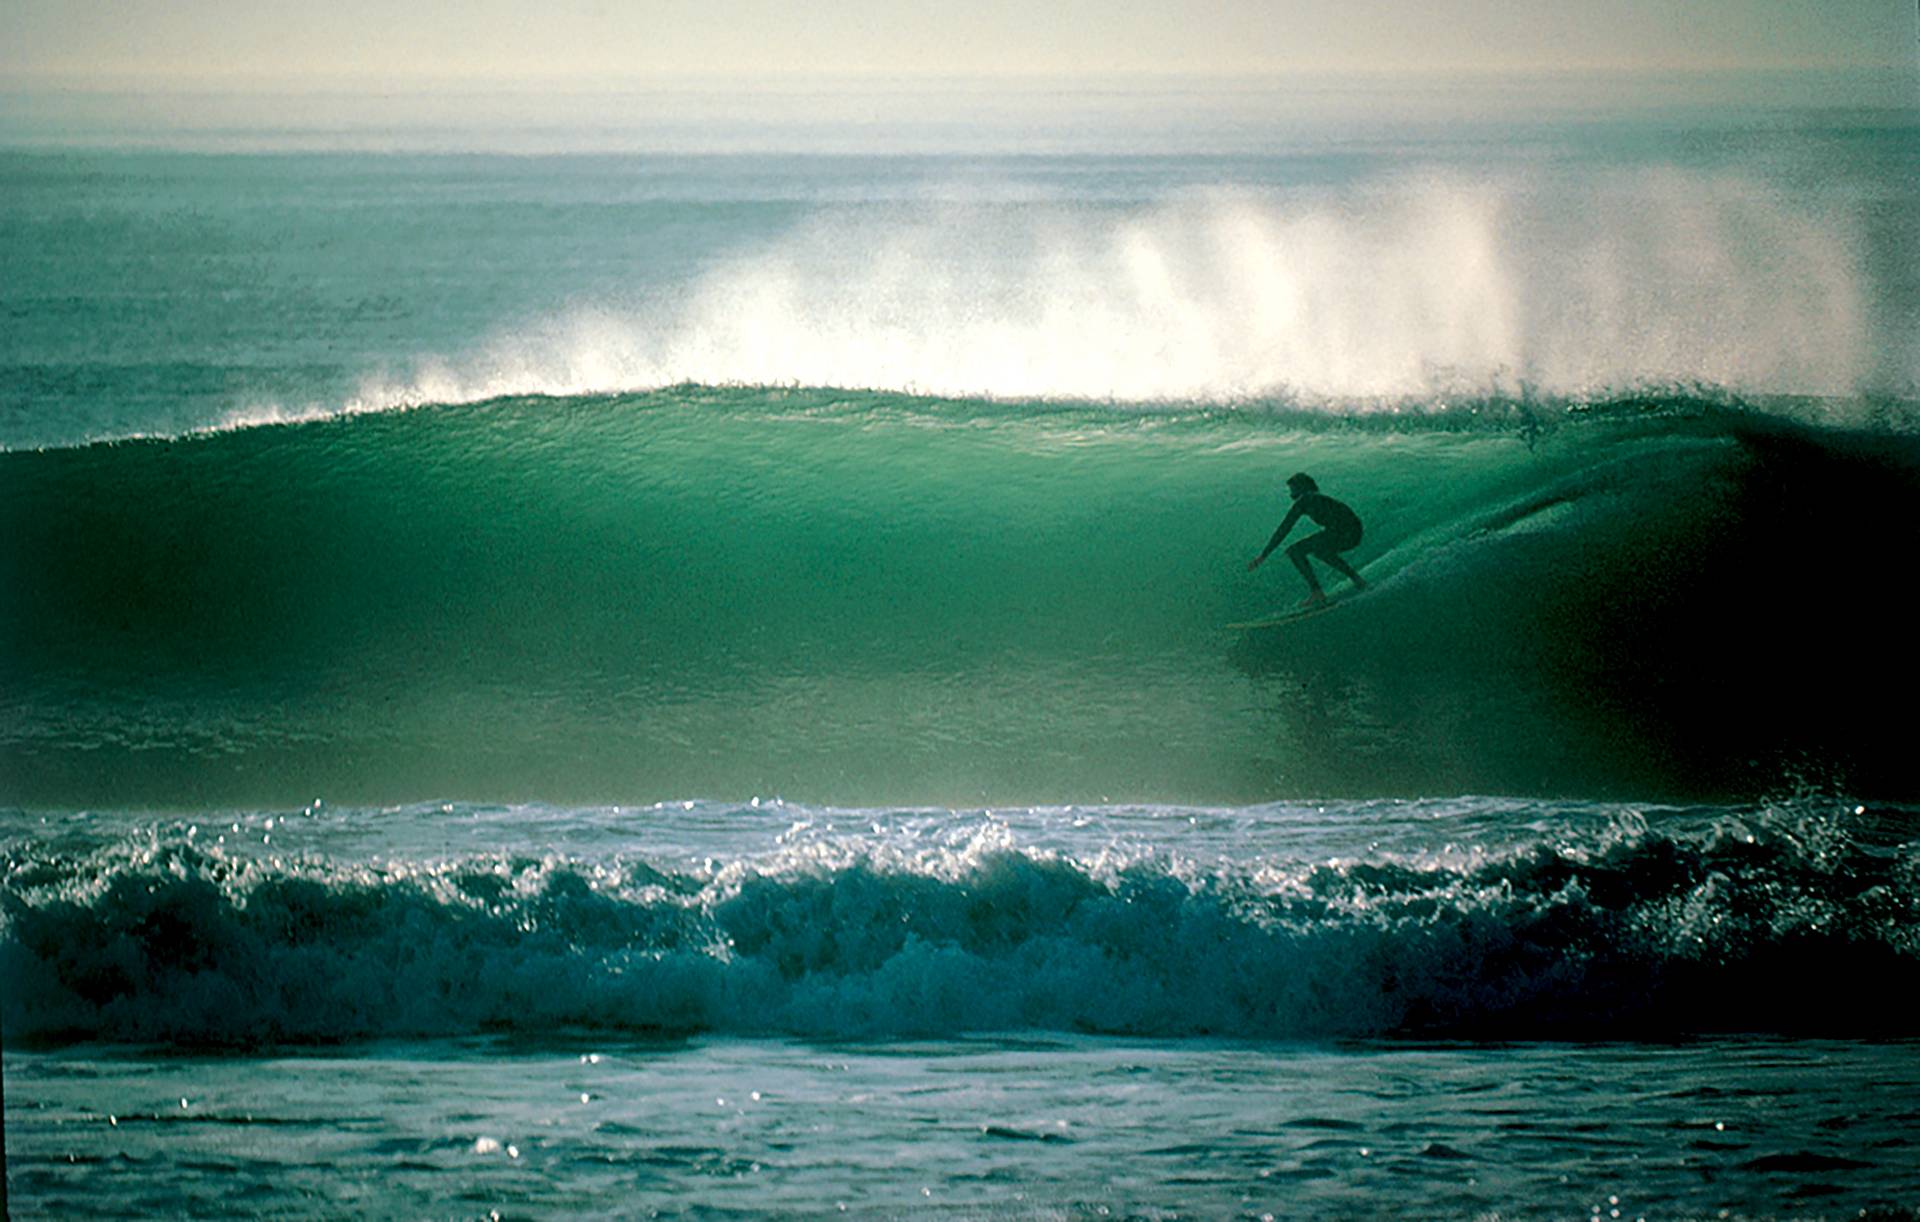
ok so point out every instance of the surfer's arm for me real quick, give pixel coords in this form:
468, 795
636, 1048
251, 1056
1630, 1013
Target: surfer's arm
1293, 515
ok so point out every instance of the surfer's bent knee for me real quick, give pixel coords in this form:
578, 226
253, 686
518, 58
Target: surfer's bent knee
1326, 543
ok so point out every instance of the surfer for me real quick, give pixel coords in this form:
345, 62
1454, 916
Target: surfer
1339, 532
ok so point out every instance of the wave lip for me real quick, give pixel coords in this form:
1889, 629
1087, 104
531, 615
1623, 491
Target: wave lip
1762, 924
1409, 288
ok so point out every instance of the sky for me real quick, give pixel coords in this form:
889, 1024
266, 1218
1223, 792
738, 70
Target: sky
910, 75
294, 44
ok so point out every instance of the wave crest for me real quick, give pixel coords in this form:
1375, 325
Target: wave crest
1417, 287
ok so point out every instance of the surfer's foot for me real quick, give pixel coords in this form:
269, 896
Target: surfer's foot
1314, 599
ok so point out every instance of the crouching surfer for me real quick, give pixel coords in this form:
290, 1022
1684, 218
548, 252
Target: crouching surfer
1339, 532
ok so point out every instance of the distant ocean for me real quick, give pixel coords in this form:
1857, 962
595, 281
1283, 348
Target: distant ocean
701, 683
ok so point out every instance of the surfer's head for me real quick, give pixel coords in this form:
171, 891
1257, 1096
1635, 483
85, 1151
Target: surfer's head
1300, 483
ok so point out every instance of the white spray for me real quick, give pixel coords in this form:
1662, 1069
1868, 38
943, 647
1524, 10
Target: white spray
1403, 290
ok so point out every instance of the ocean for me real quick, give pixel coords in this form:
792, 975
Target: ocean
704, 683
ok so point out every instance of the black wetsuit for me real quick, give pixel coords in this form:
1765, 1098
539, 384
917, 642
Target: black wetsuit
1339, 526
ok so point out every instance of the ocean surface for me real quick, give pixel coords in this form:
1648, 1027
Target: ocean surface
705, 683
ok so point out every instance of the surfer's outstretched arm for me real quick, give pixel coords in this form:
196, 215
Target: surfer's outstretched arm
1293, 515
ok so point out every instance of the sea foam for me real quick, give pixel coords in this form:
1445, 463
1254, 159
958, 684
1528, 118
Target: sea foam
1764, 921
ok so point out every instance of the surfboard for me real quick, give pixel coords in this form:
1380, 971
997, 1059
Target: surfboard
1290, 617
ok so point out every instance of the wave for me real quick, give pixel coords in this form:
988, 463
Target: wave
855, 597
1795, 919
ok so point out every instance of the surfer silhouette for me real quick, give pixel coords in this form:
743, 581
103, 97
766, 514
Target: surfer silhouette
1339, 532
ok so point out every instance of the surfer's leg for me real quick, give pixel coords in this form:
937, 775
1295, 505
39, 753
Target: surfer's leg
1340, 565
1298, 553
1328, 544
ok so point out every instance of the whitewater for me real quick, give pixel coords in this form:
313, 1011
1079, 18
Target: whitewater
624, 683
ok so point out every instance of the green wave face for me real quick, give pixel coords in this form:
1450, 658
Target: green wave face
866, 598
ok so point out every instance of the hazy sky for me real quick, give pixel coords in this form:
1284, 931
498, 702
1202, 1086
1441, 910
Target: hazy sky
228, 43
